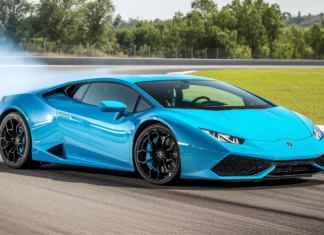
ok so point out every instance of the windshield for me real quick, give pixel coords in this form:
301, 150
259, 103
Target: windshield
198, 94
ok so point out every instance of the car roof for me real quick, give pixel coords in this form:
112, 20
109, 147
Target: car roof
130, 79
146, 78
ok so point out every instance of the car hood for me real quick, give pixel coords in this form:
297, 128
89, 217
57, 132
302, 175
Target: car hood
270, 124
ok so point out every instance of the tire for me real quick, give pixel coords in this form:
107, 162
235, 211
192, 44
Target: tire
15, 142
157, 155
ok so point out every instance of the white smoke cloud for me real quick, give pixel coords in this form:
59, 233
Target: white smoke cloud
16, 76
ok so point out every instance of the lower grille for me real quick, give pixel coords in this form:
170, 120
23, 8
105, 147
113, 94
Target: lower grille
234, 165
293, 170
239, 166
320, 161
293, 162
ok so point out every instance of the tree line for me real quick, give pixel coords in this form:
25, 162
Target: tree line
242, 29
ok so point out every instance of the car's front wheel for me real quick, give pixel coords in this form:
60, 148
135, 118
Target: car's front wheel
156, 155
15, 142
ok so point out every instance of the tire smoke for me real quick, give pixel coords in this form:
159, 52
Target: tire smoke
18, 77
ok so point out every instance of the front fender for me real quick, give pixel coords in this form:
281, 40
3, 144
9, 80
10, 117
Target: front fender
185, 133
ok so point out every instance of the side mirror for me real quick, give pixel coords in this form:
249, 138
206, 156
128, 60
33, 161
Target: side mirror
112, 107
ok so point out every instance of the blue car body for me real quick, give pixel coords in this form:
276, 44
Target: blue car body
93, 138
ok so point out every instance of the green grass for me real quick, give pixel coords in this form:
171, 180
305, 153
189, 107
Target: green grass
301, 90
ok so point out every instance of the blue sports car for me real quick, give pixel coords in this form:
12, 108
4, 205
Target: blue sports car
164, 127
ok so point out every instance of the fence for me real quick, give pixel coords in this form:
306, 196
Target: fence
51, 49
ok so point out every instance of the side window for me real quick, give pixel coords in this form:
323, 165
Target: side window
111, 92
80, 92
142, 106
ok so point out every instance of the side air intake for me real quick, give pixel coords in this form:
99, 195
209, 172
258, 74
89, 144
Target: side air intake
57, 150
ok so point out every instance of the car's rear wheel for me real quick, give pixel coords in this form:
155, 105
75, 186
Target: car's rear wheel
156, 155
15, 142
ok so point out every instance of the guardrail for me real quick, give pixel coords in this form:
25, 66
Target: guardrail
29, 60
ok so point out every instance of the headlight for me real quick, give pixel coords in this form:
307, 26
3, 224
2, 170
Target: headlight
224, 138
318, 133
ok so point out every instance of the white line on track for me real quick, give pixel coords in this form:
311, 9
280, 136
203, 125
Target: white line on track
182, 73
51, 66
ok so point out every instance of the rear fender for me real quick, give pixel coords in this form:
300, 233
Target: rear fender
40, 117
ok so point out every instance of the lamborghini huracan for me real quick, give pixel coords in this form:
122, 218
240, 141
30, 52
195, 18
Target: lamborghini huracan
164, 127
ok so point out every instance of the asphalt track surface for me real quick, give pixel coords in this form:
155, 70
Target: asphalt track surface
59, 199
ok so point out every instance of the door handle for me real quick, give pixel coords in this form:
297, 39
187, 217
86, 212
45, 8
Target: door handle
63, 115
68, 117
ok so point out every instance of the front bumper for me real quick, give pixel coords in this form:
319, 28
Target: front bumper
257, 160
245, 166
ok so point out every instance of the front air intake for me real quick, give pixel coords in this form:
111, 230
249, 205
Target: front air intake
234, 165
320, 161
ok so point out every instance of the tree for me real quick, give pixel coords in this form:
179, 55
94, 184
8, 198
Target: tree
125, 38
241, 29
299, 18
251, 31
204, 7
117, 21
315, 37
147, 35
296, 36
225, 19
272, 21
97, 16
12, 13
58, 21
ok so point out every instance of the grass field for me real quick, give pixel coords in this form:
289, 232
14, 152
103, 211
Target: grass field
301, 90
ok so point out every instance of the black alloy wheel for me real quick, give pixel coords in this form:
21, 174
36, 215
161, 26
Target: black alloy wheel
15, 142
156, 155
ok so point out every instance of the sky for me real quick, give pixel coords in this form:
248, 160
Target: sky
164, 9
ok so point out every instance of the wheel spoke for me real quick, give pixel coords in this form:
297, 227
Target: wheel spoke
166, 168
144, 151
13, 153
171, 160
150, 172
158, 171
170, 148
6, 141
12, 150
10, 128
7, 131
151, 142
164, 138
3, 140
158, 135
147, 161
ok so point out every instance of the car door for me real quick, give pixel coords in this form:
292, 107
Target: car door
93, 135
